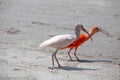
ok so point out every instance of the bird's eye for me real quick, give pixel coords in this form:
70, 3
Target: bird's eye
97, 28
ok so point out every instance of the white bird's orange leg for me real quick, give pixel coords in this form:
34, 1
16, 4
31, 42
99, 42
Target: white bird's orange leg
57, 61
54, 56
53, 60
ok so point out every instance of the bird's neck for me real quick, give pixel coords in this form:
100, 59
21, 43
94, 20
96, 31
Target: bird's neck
91, 34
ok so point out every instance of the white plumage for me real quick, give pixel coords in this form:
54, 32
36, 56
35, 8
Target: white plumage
58, 41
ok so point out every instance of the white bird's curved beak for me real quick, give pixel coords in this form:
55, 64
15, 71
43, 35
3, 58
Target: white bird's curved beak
87, 33
78, 29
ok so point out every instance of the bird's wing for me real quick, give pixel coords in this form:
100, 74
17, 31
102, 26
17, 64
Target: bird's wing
58, 41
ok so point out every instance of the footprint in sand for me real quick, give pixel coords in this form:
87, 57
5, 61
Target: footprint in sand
12, 31
3, 62
16, 69
118, 38
40, 23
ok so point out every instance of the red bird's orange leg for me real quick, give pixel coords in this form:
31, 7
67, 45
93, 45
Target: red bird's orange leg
76, 55
69, 54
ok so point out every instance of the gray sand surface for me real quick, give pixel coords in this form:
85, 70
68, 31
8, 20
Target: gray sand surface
24, 24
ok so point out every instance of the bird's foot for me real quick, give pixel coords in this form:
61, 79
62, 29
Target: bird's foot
59, 65
78, 60
52, 68
74, 60
71, 60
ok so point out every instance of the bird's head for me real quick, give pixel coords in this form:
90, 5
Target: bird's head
78, 29
96, 29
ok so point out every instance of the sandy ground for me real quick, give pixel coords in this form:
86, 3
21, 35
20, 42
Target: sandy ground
24, 24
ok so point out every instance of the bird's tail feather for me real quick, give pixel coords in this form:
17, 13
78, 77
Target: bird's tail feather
42, 45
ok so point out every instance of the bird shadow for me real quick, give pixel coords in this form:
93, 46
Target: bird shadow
91, 61
67, 68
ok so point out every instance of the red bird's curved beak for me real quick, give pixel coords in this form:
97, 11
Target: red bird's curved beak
104, 31
87, 33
